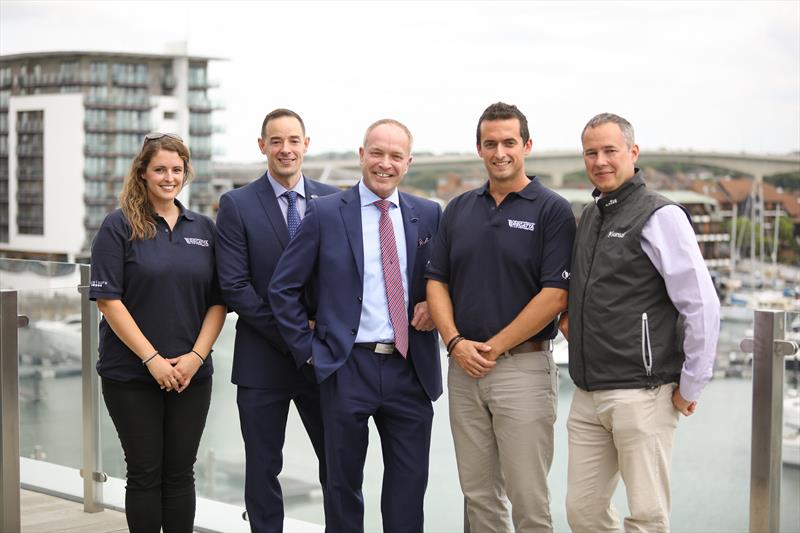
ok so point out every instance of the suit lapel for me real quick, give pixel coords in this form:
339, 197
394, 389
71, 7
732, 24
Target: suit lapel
411, 229
351, 215
311, 190
266, 196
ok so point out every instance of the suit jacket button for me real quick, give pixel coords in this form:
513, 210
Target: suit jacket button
360, 299
353, 331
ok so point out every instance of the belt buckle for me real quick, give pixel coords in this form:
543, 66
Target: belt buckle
384, 348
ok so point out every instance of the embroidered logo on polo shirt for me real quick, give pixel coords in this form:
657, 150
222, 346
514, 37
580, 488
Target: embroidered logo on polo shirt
196, 241
616, 234
521, 224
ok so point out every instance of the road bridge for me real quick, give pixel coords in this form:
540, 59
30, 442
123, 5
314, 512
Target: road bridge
558, 164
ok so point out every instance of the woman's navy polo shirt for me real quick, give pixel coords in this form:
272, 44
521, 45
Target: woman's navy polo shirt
167, 284
495, 259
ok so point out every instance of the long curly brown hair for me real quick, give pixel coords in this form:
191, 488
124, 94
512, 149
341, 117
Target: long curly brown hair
133, 198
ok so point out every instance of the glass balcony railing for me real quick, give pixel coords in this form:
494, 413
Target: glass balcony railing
711, 458
117, 102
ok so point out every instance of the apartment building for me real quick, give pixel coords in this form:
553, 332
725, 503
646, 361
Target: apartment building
70, 124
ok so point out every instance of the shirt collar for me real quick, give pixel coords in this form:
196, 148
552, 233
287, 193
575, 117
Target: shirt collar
278, 189
368, 197
530, 192
185, 213
182, 212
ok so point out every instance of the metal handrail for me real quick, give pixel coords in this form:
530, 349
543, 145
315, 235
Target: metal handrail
769, 351
90, 385
9, 413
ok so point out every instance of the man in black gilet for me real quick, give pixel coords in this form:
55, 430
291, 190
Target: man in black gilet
643, 327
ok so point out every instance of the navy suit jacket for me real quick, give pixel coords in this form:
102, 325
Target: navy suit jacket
329, 252
251, 237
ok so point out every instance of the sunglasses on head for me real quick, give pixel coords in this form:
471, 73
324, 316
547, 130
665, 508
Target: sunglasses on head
154, 135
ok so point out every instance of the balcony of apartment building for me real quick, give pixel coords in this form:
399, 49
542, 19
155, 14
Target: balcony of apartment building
202, 82
32, 224
110, 151
109, 200
30, 150
26, 198
58, 440
168, 82
30, 126
125, 79
58, 79
114, 126
204, 104
137, 102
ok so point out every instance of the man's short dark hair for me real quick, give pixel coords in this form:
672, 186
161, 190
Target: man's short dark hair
278, 113
502, 111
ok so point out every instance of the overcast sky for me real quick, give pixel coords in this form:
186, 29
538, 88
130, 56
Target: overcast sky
688, 75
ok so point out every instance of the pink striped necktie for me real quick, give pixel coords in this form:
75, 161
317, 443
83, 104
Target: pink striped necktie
392, 279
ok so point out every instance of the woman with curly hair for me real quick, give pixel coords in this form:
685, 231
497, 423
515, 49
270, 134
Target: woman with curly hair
154, 280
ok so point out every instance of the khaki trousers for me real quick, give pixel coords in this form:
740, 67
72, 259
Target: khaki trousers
502, 428
613, 433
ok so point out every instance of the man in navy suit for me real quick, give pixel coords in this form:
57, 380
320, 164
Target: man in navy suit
255, 223
373, 348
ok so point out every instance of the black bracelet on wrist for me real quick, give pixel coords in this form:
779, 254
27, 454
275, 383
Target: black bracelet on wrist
150, 358
203, 359
453, 343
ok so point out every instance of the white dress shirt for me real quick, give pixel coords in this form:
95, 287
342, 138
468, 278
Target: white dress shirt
375, 324
669, 241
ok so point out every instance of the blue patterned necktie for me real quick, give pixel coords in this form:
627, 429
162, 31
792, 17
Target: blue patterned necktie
292, 215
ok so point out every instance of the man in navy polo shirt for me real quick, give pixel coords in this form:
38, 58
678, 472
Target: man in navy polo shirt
497, 281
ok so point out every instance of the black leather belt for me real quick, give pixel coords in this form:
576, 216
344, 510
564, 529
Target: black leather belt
531, 346
383, 348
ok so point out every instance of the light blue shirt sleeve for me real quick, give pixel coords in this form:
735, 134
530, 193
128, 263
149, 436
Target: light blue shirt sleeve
375, 324
669, 241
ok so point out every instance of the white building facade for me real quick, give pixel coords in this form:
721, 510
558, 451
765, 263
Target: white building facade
70, 125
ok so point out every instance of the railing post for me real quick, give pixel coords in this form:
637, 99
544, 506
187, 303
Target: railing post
92, 471
769, 351
9, 413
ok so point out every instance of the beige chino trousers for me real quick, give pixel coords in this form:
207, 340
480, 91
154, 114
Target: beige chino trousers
627, 433
502, 428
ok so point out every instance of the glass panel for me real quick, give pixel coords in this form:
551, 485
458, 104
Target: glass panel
711, 456
50, 359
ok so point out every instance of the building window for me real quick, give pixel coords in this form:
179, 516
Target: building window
30, 172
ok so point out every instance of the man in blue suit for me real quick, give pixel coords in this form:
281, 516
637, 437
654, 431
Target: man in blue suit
255, 223
373, 347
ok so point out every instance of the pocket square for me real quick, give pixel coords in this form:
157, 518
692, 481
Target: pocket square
423, 242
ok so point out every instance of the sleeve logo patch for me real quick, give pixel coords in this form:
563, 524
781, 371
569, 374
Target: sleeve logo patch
98, 284
565, 274
521, 224
196, 241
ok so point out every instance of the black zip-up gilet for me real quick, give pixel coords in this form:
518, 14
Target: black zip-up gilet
613, 287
